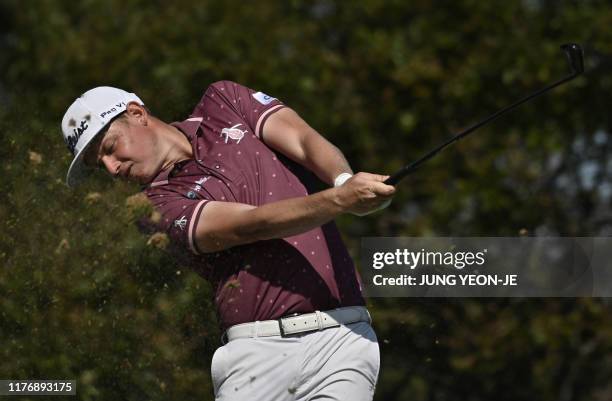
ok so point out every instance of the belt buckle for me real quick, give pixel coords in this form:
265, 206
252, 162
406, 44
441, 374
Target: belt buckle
280, 323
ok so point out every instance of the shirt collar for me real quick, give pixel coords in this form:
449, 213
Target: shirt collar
189, 127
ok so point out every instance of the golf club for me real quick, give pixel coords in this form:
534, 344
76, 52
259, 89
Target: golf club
574, 55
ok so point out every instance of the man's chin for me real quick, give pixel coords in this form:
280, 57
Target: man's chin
140, 180
143, 180
137, 179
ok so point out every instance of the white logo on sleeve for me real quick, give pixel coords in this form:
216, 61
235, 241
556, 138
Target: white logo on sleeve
233, 133
180, 223
263, 98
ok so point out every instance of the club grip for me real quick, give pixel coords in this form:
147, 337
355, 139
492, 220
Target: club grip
394, 179
399, 175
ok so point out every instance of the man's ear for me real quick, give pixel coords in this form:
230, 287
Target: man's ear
137, 113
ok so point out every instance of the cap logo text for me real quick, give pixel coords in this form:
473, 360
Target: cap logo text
112, 110
72, 140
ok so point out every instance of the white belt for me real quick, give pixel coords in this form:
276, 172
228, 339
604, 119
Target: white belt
298, 324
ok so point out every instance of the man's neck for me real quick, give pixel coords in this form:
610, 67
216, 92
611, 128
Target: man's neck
179, 147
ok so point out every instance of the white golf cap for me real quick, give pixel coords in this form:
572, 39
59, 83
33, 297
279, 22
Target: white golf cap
86, 117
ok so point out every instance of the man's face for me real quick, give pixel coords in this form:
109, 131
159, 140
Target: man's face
128, 150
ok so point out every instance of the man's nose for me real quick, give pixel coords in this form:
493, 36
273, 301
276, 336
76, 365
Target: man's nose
112, 165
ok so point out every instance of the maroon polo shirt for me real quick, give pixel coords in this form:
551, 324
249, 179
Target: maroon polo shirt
266, 279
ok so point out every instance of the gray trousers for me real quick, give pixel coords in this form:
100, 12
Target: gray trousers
339, 363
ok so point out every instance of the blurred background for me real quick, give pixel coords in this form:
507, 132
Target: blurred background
85, 295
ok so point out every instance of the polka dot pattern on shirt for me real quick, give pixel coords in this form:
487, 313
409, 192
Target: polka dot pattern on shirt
273, 283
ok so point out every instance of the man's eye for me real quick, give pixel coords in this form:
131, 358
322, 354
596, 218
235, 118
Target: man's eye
108, 149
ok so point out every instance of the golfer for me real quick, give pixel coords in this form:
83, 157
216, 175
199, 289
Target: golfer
233, 184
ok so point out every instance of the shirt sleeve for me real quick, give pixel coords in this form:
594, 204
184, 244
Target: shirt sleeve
253, 106
179, 217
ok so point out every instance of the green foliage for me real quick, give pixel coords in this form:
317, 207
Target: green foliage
85, 295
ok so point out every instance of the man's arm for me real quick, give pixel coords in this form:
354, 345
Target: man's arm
223, 225
286, 132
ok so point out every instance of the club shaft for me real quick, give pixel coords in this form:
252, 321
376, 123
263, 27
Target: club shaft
408, 169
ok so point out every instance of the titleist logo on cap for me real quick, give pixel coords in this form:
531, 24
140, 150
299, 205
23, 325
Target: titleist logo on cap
72, 140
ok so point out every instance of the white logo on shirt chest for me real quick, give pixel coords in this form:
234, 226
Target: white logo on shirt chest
233, 133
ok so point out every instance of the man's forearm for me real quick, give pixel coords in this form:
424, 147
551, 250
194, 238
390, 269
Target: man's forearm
286, 132
292, 216
222, 225
324, 159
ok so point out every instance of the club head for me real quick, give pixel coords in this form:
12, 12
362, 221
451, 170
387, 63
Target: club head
573, 52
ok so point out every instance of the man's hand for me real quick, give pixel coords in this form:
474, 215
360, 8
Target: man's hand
365, 193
